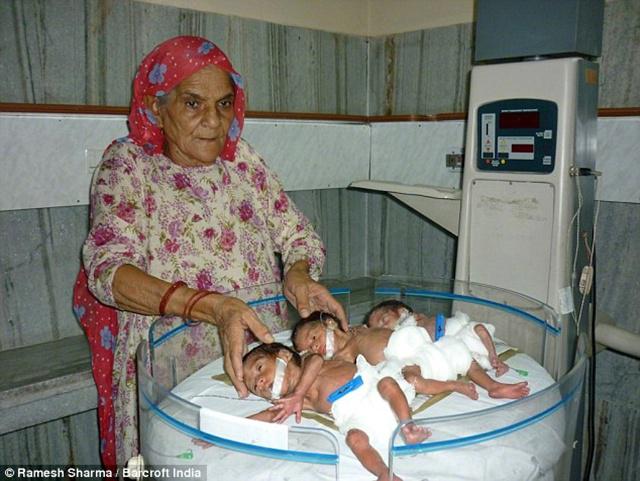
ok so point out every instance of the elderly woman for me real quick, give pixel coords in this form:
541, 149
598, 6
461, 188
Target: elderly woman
183, 210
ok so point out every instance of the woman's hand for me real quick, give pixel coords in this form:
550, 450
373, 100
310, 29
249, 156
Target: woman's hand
233, 317
287, 406
308, 295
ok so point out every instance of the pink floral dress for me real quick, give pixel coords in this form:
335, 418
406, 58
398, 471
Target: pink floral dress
215, 227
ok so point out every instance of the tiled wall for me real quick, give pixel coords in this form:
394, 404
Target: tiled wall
76, 51
427, 72
86, 52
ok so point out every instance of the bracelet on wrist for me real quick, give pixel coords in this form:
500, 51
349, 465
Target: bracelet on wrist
193, 300
164, 301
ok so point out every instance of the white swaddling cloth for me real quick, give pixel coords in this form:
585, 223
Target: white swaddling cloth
442, 360
462, 327
365, 409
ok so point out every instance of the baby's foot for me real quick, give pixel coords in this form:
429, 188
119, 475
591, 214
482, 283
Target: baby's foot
199, 442
414, 434
499, 365
510, 391
411, 374
466, 388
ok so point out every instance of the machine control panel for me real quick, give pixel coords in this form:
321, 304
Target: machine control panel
517, 135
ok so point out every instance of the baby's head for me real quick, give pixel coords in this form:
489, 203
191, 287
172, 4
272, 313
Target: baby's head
271, 370
315, 334
387, 314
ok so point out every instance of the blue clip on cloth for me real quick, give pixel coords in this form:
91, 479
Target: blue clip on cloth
342, 391
439, 325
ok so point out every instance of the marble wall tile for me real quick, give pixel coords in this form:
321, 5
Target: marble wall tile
76, 52
312, 155
306, 155
413, 246
414, 152
427, 71
49, 38
432, 70
380, 61
340, 217
619, 66
618, 153
70, 441
617, 452
618, 257
422, 72
618, 376
37, 274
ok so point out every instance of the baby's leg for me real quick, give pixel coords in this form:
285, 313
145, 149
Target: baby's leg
358, 441
391, 392
429, 323
494, 388
497, 363
431, 386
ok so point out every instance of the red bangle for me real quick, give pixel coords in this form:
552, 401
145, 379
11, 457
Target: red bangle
167, 295
191, 303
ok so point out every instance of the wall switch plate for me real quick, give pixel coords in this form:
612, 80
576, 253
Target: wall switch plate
454, 160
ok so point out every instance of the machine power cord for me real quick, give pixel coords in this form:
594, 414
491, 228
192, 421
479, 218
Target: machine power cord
591, 393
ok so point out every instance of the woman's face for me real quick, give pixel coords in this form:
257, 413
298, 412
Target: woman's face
195, 117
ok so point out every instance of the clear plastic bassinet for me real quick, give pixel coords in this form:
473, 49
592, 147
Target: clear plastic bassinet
531, 438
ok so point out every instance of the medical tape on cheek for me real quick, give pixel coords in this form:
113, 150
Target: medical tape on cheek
276, 387
329, 343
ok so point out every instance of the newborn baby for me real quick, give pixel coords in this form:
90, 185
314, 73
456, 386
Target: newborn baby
365, 404
478, 337
432, 367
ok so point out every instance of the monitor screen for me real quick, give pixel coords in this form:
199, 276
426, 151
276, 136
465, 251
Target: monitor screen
519, 120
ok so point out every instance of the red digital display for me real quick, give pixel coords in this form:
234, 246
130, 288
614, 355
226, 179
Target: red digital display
519, 120
522, 148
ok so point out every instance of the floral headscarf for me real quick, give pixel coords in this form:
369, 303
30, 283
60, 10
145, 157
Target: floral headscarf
166, 66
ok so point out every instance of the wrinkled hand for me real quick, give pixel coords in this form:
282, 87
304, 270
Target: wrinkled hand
308, 295
288, 405
233, 317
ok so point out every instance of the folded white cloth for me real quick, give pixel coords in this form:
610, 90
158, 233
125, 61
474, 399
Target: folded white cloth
365, 409
462, 327
442, 360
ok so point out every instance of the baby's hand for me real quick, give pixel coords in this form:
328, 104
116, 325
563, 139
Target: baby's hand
287, 406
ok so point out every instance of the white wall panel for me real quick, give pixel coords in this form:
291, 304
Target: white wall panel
312, 155
618, 159
47, 160
414, 152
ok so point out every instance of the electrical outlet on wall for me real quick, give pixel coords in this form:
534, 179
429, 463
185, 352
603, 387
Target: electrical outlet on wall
454, 159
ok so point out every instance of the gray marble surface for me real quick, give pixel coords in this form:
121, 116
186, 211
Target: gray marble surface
286, 68
619, 63
45, 382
